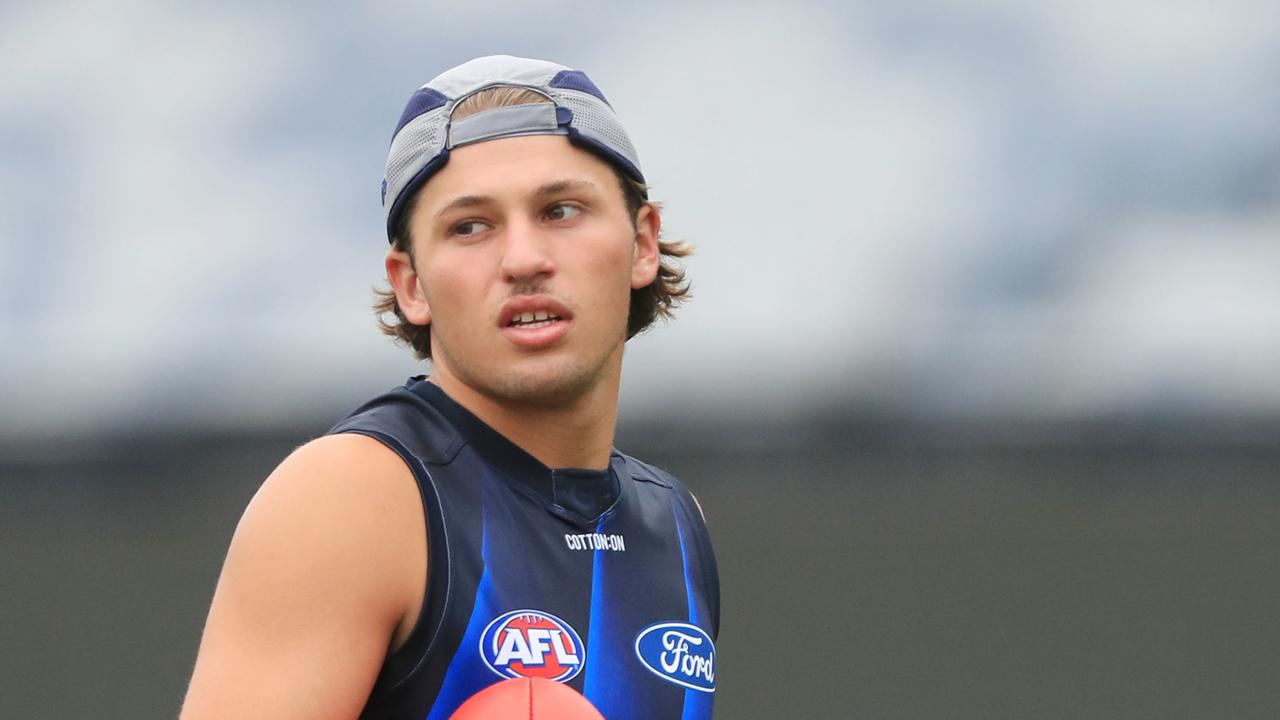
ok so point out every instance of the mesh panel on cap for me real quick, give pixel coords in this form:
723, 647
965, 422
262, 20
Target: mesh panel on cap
593, 117
415, 144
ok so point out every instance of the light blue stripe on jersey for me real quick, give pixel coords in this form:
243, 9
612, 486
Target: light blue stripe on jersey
603, 672
467, 673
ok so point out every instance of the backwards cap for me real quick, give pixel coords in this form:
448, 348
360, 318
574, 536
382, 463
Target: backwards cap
426, 131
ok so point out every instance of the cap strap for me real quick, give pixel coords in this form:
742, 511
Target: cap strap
530, 119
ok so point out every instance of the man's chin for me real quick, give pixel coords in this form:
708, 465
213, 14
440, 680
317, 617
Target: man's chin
547, 382
555, 386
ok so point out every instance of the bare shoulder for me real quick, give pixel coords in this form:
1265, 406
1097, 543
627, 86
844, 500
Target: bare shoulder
698, 504
343, 508
324, 573
346, 473
343, 490
344, 459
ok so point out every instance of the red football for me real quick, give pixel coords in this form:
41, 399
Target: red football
526, 699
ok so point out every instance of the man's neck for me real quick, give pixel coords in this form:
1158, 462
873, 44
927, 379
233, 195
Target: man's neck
574, 434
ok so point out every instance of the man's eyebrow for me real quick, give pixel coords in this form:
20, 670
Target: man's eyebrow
559, 186
464, 201
555, 187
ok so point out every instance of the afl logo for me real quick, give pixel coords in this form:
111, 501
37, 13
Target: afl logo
532, 643
679, 653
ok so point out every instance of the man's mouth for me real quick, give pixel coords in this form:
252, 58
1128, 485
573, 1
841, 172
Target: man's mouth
533, 320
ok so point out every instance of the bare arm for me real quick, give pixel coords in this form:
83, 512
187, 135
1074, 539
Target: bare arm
324, 575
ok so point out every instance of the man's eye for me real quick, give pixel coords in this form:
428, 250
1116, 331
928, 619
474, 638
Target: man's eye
466, 228
562, 212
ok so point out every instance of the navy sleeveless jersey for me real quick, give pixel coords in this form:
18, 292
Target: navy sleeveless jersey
603, 580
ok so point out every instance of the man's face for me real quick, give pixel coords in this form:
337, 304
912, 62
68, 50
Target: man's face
526, 256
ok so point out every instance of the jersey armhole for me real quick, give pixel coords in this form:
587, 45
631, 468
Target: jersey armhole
710, 571
402, 661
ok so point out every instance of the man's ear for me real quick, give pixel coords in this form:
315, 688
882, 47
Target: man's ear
645, 257
404, 281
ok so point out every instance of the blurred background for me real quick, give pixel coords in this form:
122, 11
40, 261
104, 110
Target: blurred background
980, 387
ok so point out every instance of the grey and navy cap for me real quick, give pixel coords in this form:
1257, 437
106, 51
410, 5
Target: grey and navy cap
426, 131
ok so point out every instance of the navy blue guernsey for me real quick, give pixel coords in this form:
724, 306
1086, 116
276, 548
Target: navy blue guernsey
603, 580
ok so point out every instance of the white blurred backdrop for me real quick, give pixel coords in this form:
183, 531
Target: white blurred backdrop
926, 209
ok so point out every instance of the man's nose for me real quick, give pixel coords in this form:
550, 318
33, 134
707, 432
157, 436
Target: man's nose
527, 252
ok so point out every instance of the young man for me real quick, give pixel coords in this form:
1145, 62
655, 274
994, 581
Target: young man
477, 525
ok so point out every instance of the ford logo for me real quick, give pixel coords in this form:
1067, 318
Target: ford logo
680, 653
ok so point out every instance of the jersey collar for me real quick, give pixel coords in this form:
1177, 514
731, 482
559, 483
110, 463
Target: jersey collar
577, 495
